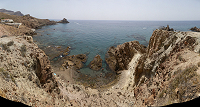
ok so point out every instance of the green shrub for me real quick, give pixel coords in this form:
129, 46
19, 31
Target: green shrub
5, 47
10, 43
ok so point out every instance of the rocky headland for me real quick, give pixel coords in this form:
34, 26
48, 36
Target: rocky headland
165, 72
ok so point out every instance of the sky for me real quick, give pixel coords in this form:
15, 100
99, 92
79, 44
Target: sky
146, 10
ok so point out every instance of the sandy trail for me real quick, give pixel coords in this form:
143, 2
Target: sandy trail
126, 76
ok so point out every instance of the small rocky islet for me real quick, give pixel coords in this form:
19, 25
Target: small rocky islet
165, 72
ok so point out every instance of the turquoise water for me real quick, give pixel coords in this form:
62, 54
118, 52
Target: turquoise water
95, 37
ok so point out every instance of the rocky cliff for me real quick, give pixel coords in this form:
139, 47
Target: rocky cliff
163, 66
25, 73
163, 69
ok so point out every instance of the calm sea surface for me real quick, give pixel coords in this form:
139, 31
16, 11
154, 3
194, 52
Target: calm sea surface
95, 37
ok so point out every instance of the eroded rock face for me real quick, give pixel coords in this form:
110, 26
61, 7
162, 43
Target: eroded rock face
160, 41
96, 63
44, 72
118, 58
167, 28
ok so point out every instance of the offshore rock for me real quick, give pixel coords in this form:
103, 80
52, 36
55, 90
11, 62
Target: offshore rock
195, 29
119, 57
63, 21
166, 28
96, 63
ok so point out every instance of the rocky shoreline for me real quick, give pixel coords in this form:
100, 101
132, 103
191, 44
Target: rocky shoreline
165, 72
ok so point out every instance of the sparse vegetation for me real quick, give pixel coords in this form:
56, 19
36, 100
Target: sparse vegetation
181, 58
162, 93
23, 50
6, 75
182, 82
10, 43
5, 47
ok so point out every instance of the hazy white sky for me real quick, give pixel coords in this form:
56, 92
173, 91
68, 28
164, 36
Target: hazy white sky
107, 9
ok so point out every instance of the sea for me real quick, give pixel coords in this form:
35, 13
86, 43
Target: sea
94, 37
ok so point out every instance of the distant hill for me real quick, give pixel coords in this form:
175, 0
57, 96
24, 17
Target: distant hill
18, 13
27, 20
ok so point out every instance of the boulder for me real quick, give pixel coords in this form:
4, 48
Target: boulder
63, 21
119, 57
96, 63
75, 61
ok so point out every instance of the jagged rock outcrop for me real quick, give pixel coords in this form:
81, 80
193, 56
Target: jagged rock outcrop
63, 21
166, 28
96, 63
156, 53
165, 68
195, 29
44, 72
119, 57
74, 61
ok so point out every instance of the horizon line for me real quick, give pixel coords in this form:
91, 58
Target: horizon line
120, 20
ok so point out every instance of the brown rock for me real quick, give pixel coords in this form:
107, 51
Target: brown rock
75, 60
44, 73
167, 28
96, 63
118, 58
63, 21
195, 29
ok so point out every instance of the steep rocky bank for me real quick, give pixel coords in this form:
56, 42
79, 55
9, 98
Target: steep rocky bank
25, 73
